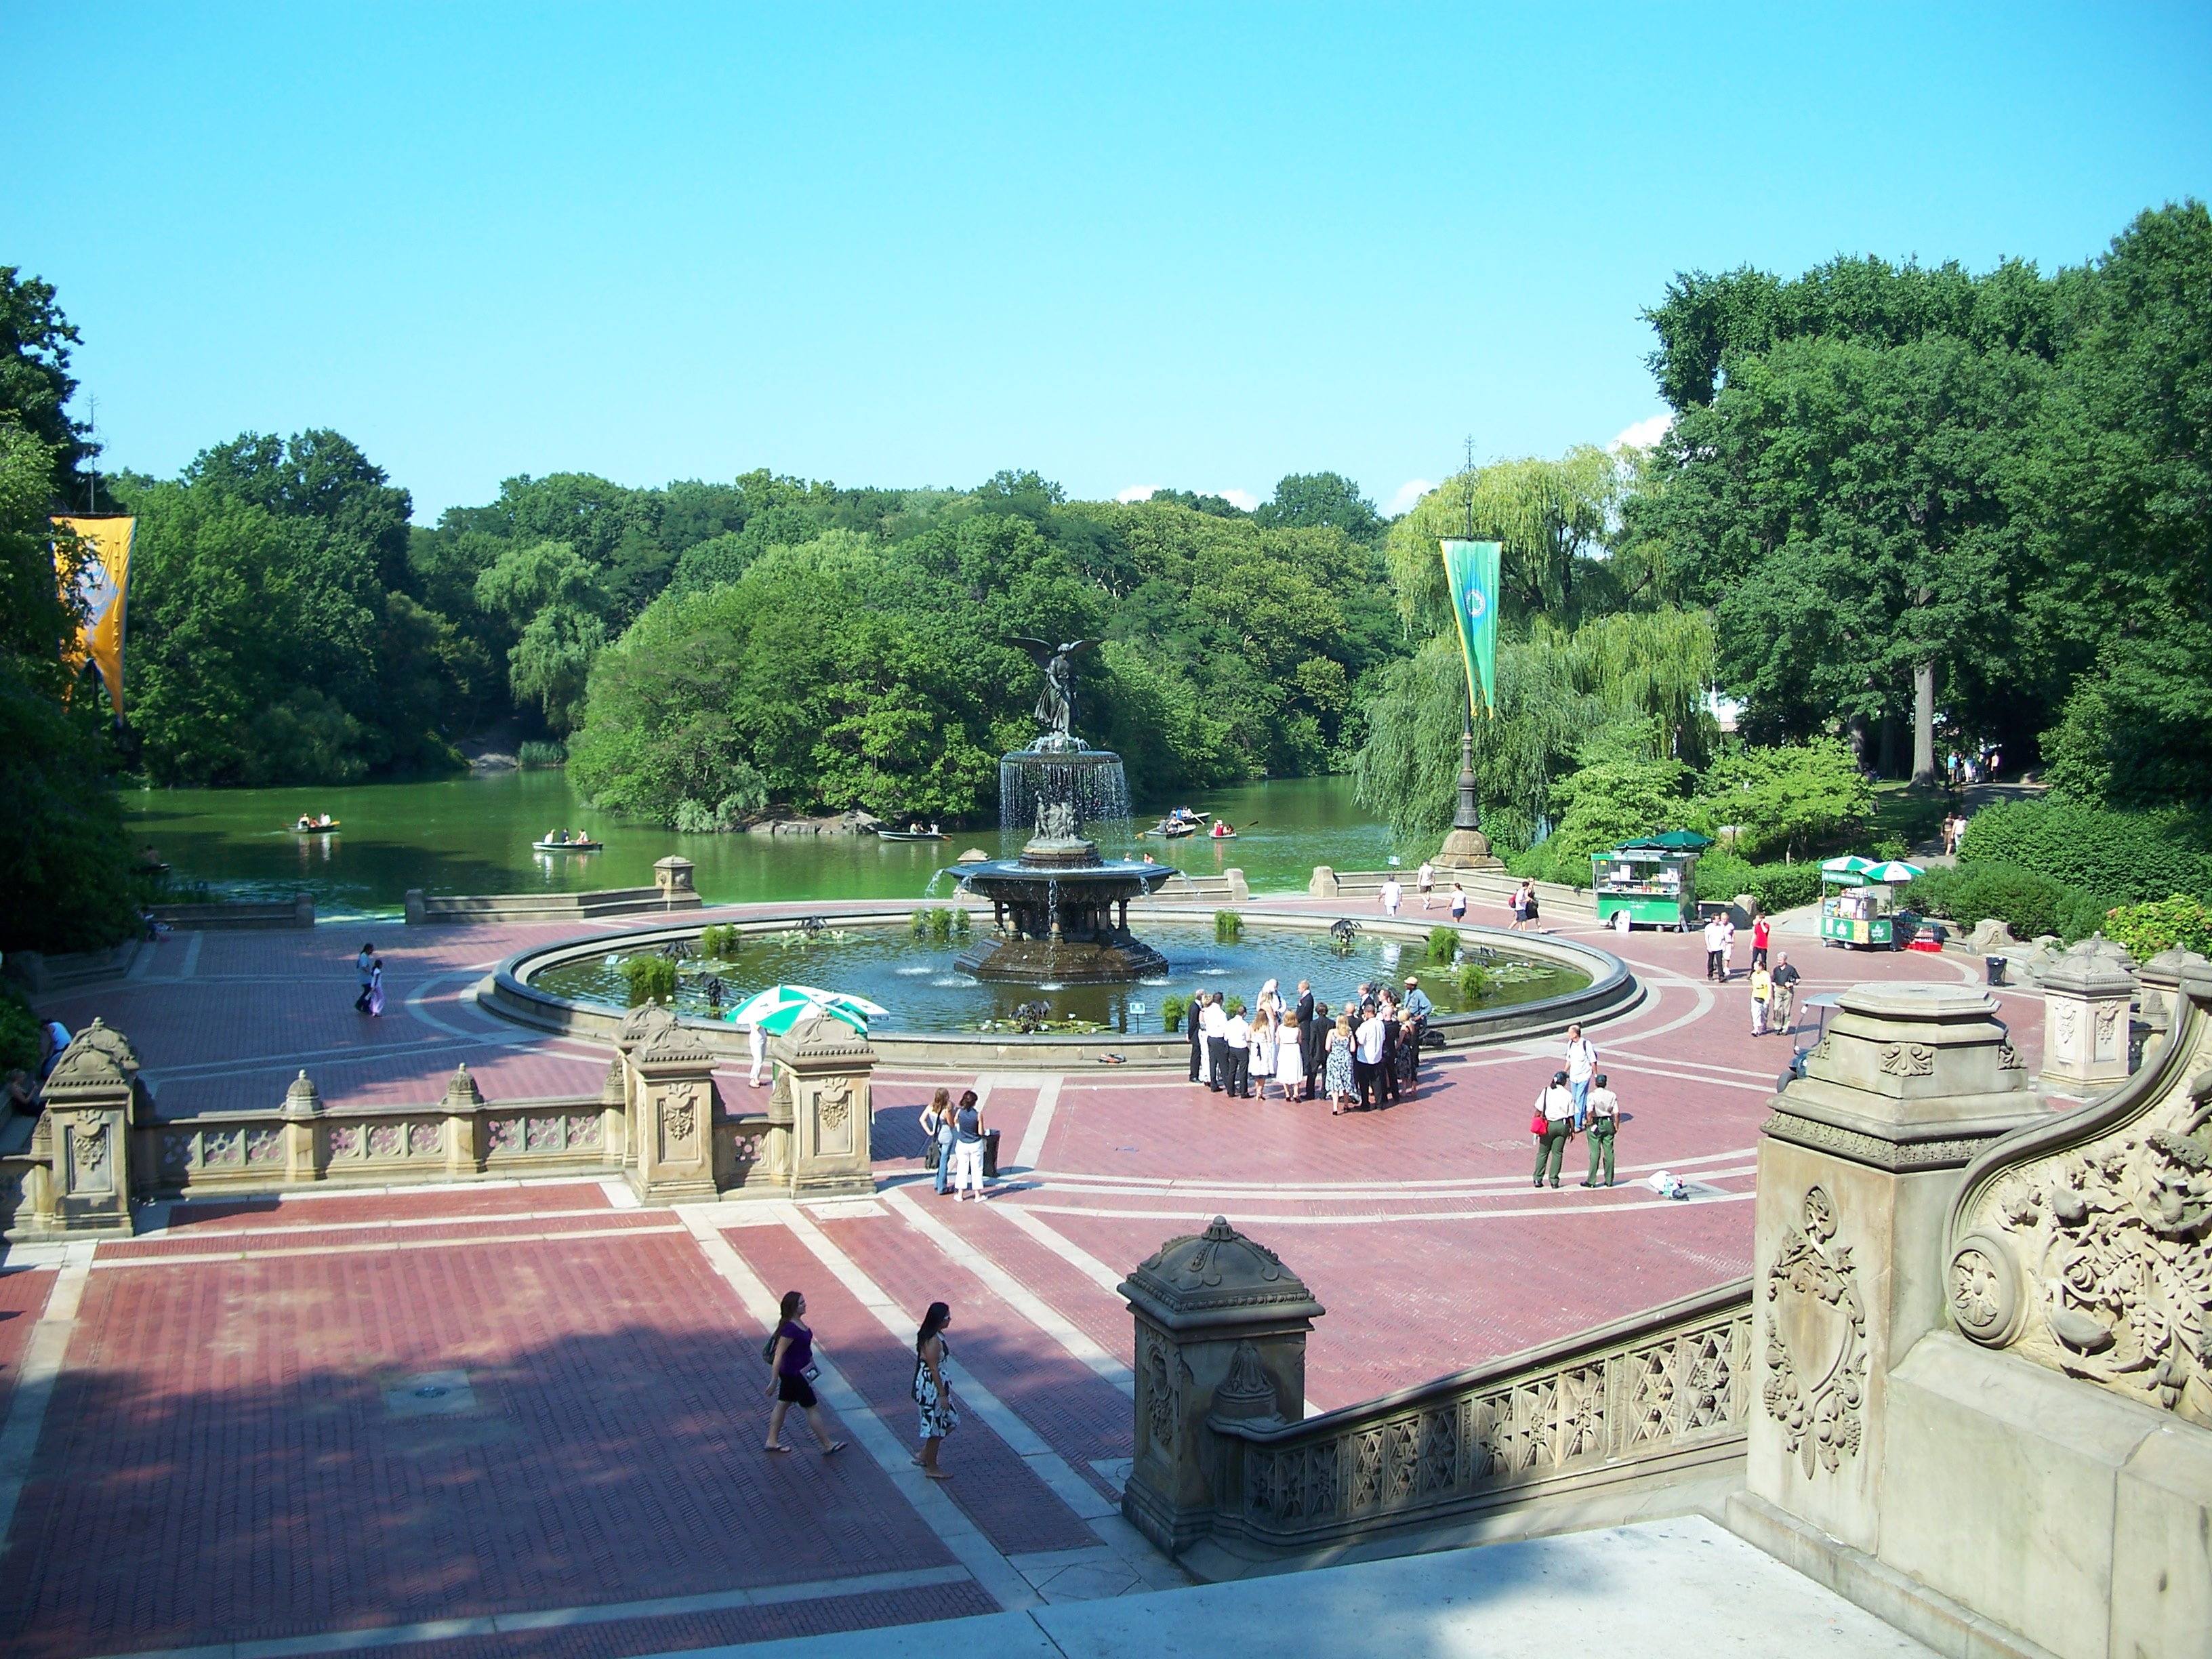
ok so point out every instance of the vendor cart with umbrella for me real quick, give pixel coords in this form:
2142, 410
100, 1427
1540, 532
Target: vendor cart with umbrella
1653, 880
1858, 902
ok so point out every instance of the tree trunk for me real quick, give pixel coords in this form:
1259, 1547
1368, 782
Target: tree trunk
1924, 725
1891, 762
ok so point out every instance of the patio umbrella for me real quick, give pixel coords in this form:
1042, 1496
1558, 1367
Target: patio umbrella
1849, 865
1678, 840
780, 1007
1895, 870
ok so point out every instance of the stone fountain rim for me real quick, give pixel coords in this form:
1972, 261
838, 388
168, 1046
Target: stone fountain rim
507, 993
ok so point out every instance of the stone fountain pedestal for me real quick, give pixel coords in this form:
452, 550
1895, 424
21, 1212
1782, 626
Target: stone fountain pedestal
1062, 917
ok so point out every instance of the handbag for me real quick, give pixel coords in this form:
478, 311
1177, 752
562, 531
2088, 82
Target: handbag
1538, 1123
932, 1153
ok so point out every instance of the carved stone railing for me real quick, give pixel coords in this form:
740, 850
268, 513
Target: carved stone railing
1658, 1393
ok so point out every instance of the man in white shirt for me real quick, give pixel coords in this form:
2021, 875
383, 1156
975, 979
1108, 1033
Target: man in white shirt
1367, 1056
1394, 892
1237, 1039
1714, 946
1582, 1067
1728, 947
1428, 884
1215, 1024
1558, 1107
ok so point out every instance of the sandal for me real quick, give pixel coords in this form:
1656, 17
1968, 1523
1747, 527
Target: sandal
834, 1446
938, 1474
776, 1449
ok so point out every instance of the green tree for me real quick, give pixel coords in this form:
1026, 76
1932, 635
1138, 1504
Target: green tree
1311, 500
1788, 799
35, 384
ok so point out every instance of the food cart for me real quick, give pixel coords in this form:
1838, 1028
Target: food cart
1858, 902
1653, 882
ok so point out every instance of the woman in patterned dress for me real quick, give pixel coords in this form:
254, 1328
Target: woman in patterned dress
932, 1388
1337, 1075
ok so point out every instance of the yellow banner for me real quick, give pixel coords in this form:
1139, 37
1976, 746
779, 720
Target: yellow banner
100, 584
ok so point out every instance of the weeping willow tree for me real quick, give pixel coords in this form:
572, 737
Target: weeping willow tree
1658, 664
1550, 518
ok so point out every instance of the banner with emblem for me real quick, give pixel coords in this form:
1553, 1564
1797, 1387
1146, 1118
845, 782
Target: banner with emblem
1470, 576
101, 581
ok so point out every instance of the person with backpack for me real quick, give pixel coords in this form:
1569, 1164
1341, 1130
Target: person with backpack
932, 1388
792, 1371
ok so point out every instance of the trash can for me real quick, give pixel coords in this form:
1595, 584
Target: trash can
1995, 965
990, 1154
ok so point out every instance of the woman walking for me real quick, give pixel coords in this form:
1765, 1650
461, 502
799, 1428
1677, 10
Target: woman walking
936, 1124
1339, 1078
793, 1371
932, 1388
376, 986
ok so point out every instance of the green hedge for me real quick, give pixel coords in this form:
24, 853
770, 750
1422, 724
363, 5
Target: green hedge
2133, 857
19, 1033
1722, 876
2026, 900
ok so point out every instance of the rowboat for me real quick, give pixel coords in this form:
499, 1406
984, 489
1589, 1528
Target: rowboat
329, 829
569, 845
912, 835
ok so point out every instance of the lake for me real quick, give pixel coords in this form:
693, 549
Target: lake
473, 835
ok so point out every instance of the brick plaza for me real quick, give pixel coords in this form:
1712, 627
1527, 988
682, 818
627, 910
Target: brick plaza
521, 1419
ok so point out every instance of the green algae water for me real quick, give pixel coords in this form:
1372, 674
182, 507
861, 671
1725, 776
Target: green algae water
473, 835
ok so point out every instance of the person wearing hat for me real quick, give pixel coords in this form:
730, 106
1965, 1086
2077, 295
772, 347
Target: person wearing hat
1414, 1011
1604, 1117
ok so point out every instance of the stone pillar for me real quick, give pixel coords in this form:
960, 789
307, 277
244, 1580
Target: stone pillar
88, 1100
2162, 995
1324, 883
672, 875
2086, 995
418, 910
675, 1140
614, 1111
639, 1027
1221, 1332
1857, 1166
822, 1072
1240, 890
303, 1110
468, 1141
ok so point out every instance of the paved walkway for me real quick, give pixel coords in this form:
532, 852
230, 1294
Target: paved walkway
525, 1419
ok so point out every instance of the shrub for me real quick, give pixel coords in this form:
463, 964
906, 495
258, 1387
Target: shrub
918, 923
650, 978
2160, 925
1722, 876
1173, 1007
1475, 981
1234, 1006
2135, 857
1228, 927
19, 1032
537, 752
1443, 944
2026, 901
719, 941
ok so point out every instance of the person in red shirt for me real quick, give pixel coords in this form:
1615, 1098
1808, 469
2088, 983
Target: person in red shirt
1761, 932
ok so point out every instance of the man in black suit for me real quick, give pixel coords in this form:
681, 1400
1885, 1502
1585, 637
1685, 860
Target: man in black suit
1309, 1036
1191, 1023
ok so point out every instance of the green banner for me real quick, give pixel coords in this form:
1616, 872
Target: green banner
1471, 575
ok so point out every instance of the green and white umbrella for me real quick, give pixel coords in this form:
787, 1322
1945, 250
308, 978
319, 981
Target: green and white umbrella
780, 1007
1848, 864
1895, 871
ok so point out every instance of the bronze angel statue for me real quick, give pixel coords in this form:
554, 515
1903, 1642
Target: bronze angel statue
1055, 703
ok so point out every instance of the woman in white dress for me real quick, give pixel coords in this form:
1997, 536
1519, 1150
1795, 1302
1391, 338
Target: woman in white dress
1264, 1042
1290, 1057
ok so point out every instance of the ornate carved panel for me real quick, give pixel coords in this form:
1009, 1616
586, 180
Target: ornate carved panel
1816, 1348
2085, 1245
265, 1145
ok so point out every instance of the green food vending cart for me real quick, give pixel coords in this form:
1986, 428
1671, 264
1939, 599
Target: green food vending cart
1654, 885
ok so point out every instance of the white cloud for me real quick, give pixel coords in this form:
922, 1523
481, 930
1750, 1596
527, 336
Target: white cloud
1643, 434
1408, 493
1136, 493
1238, 498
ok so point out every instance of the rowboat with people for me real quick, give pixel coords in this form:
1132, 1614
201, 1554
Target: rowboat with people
1177, 824
914, 832
564, 841
315, 826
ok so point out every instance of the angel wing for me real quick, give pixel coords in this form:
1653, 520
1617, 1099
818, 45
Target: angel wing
1039, 649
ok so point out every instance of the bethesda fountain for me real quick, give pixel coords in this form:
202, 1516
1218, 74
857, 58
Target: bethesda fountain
1061, 912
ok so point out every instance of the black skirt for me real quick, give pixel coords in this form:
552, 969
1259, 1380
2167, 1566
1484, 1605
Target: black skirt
794, 1390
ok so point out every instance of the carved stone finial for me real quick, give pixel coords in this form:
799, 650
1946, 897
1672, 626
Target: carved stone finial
462, 1094
1217, 1277
302, 1099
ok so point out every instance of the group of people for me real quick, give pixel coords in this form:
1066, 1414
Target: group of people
957, 1140
1773, 988
1576, 1100
794, 1371
1365, 1056
310, 822
565, 837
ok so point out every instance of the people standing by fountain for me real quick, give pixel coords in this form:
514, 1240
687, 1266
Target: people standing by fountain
1604, 1119
1315, 1032
1290, 1057
1216, 1026
967, 1148
1194, 1023
1555, 1112
1237, 1045
936, 1124
1266, 1033
1394, 1027
1367, 1055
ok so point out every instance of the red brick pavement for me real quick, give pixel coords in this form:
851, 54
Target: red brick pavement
23, 1299
1009, 1505
218, 1463
324, 1209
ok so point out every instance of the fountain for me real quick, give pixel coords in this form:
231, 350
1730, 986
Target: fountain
1062, 913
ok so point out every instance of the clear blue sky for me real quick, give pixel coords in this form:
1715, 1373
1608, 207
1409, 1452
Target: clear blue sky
1198, 246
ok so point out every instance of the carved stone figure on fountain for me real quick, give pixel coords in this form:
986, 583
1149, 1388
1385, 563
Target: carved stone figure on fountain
1055, 703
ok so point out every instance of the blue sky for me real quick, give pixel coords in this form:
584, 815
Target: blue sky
1192, 246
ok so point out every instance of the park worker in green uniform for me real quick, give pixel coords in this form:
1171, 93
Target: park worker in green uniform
1556, 1107
1604, 1117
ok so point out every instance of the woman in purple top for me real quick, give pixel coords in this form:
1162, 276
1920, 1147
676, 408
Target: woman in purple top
791, 1362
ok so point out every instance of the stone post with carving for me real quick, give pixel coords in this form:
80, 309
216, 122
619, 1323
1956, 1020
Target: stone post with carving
1221, 1332
674, 1074
2086, 995
468, 1138
88, 1100
303, 1110
639, 1026
1857, 1164
2162, 995
821, 1104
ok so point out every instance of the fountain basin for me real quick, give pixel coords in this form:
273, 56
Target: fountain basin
1060, 916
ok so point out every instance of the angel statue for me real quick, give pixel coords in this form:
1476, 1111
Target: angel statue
1055, 703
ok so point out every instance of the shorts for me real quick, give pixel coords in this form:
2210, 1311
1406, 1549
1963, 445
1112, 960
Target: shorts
794, 1390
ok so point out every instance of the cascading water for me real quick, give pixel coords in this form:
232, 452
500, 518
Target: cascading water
1063, 769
